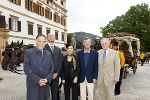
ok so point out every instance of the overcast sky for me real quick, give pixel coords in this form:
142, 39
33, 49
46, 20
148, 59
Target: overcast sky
90, 15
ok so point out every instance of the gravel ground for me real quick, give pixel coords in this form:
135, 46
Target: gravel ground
134, 87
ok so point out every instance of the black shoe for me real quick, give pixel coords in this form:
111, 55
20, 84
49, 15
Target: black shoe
117, 93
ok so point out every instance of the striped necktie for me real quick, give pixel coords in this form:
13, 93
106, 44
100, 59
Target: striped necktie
104, 55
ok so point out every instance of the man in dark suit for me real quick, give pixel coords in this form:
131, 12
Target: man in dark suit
88, 69
38, 67
57, 60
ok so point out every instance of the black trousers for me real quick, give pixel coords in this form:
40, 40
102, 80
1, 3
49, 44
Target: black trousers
118, 84
67, 88
54, 88
142, 62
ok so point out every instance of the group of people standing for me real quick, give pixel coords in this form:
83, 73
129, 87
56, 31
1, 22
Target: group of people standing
44, 65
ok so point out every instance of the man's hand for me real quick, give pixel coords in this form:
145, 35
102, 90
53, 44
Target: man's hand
115, 81
55, 75
63, 81
75, 80
94, 81
43, 82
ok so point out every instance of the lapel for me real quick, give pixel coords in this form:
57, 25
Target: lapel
108, 56
101, 57
82, 57
54, 51
48, 48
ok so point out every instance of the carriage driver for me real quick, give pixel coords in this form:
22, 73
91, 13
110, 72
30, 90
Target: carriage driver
115, 46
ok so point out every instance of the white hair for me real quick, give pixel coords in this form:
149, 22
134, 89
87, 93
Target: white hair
105, 40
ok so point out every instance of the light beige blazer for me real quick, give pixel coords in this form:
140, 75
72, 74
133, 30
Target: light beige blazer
109, 70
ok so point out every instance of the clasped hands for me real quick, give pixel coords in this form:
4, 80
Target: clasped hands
43, 82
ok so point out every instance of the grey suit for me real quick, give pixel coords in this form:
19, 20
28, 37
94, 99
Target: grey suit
57, 60
37, 67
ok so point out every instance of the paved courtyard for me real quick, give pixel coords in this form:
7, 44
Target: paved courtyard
134, 87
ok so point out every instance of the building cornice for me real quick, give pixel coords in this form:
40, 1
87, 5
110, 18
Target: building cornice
29, 16
21, 37
55, 5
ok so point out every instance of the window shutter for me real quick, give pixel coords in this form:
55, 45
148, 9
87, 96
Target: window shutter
2, 22
51, 15
42, 11
10, 24
19, 26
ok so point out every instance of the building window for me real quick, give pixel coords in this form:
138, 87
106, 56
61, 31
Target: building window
17, 2
62, 36
39, 29
48, 14
2, 22
56, 34
30, 28
14, 24
62, 2
56, 18
48, 30
30, 5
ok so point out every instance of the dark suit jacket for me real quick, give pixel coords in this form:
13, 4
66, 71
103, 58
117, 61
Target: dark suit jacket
74, 72
37, 67
91, 71
56, 57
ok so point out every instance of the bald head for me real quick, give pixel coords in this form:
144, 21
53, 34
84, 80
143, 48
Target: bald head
105, 42
51, 37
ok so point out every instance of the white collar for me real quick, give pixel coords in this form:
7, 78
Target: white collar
51, 44
87, 51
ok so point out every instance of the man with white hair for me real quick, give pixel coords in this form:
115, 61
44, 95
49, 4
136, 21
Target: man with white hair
109, 71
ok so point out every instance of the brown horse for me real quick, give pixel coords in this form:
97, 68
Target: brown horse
130, 62
13, 56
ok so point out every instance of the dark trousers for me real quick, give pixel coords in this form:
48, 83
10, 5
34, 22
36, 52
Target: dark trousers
118, 84
54, 88
142, 62
67, 87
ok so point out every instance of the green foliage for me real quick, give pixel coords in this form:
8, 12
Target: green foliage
79, 36
136, 21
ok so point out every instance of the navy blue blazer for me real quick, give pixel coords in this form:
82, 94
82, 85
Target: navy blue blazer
91, 71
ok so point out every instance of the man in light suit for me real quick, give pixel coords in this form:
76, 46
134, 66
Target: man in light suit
57, 61
109, 71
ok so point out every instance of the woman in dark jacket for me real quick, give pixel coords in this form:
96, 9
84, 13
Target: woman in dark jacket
69, 74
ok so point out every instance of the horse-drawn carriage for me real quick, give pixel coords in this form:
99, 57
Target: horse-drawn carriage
13, 56
130, 55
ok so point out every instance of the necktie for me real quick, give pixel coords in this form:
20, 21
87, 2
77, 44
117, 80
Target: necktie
42, 52
52, 48
104, 55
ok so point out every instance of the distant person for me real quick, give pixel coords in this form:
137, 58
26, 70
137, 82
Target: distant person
69, 74
142, 58
109, 71
88, 69
38, 67
115, 46
57, 60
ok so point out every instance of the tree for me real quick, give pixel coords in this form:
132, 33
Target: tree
136, 21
